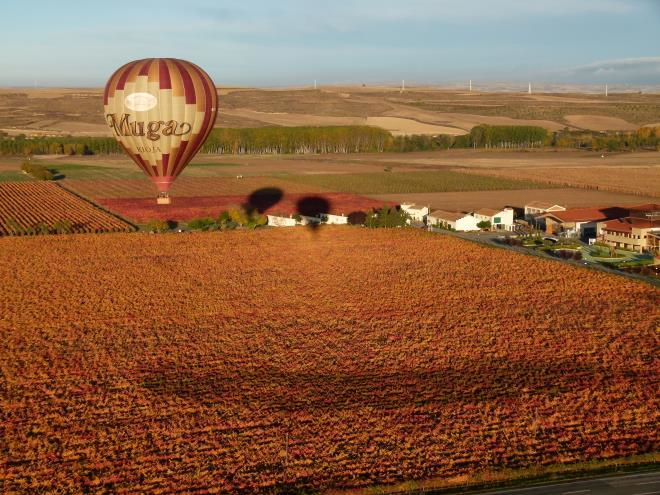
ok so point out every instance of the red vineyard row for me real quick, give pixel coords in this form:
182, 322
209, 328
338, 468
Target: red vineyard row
41, 207
142, 210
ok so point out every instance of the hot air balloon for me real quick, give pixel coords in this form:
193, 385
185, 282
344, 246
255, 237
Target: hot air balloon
161, 110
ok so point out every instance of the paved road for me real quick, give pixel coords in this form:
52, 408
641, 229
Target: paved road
625, 484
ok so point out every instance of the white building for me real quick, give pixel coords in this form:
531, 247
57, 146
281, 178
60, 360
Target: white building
277, 221
333, 219
499, 219
307, 220
417, 213
455, 220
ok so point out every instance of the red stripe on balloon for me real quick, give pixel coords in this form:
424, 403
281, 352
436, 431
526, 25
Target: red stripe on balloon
166, 162
178, 158
144, 165
164, 75
124, 76
208, 105
106, 92
188, 86
144, 71
136, 158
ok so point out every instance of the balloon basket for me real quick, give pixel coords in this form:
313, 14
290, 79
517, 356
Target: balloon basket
163, 199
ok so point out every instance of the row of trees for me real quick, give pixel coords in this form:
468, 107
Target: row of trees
485, 136
643, 138
64, 145
351, 139
299, 140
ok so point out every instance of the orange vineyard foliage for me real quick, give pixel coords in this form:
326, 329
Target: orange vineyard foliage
282, 360
184, 187
33, 207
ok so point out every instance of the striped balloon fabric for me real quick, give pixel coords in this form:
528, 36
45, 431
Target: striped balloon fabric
161, 110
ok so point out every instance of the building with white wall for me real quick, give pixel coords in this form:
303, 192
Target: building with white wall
499, 219
278, 221
417, 213
333, 219
452, 219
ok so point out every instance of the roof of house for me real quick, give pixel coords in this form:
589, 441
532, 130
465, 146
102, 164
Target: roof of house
412, 206
542, 205
487, 212
451, 216
627, 224
645, 207
588, 214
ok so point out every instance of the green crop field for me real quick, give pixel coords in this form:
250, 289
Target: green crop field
411, 182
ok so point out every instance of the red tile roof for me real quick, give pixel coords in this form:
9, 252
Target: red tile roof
596, 214
627, 224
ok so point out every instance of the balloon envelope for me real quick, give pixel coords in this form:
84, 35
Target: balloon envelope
161, 110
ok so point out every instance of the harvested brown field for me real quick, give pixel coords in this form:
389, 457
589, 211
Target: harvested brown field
600, 123
80, 111
472, 200
399, 126
643, 181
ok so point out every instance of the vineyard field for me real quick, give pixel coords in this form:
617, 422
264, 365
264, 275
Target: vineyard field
290, 360
185, 187
143, 210
411, 182
41, 207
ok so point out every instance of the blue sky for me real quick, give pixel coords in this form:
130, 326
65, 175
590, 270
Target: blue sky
293, 42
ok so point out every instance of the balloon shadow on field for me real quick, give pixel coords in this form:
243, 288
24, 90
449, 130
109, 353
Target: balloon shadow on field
313, 207
261, 200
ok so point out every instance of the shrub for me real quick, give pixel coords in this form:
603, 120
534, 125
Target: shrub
63, 227
387, 217
484, 224
239, 216
204, 223
37, 171
158, 226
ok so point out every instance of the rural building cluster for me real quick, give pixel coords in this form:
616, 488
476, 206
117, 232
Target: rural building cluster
633, 228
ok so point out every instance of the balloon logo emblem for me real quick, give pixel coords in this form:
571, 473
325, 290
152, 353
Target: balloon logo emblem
161, 110
140, 102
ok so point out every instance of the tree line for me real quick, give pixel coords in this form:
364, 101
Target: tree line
351, 139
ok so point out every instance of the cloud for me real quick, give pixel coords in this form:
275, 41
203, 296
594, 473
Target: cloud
634, 70
359, 15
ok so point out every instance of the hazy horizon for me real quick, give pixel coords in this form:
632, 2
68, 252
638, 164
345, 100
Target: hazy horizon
450, 86
259, 44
